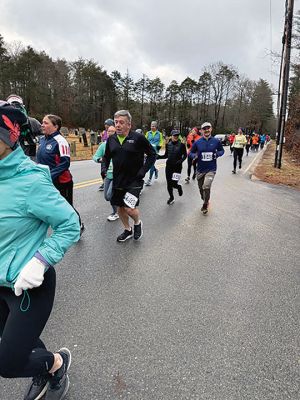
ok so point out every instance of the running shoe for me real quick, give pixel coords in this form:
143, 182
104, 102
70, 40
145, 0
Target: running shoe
101, 188
187, 180
234, 171
59, 382
113, 217
37, 387
138, 231
194, 176
125, 235
180, 191
204, 208
148, 183
171, 201
240, 166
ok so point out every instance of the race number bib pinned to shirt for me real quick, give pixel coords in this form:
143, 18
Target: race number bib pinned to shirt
176, 176
207, 156
130, 200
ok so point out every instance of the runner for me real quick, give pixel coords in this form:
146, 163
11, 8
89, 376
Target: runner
248, 144
155, 137
108, 180
255, 142
29, 205
31, 130
231, 140
207, 149
175, 154
192, 137
126, 149
239, 143
54, 151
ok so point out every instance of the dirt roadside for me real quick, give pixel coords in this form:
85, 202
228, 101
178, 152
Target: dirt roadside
288, 175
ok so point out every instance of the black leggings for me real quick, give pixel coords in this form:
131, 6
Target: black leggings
237, 154
190, 163
22, 353
171, 184
66, 190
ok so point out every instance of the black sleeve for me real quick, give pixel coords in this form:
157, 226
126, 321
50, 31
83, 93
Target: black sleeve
184, 153
163, 155
150, 152
107, 157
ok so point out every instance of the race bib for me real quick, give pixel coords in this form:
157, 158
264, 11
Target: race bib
207, 156
130, 200
176, 176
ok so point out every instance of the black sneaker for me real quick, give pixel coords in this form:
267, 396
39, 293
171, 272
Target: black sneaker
194, 176
180, 191
234, 171
240, 166
59, 382
187, 179
125, 235
101, 188
204, 208
138, 231
37, 387
171, 201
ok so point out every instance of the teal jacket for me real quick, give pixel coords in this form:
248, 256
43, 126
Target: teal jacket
29, 205
100, 154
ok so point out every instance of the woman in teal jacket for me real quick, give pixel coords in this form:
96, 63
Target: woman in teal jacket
29, 205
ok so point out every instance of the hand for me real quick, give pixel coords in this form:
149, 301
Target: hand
215, 156
32, 275
99, 160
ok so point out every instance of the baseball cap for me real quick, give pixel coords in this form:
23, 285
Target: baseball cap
109, 122
14, 98
205, 124
175, 132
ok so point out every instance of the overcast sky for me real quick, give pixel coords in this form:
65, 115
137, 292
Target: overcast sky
166, 38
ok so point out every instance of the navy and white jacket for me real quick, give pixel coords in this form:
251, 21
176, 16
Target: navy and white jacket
54, 151
207, 151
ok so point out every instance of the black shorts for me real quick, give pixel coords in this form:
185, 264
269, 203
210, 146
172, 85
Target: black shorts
118, 195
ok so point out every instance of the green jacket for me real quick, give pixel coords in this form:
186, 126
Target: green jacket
29, 205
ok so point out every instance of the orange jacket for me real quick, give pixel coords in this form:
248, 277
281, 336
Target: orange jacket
190, 139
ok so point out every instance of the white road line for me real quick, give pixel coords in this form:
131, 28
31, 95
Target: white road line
250, 165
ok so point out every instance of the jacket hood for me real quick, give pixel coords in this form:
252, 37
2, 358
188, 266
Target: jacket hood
17, 163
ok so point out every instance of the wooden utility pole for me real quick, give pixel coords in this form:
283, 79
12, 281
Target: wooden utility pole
284, 80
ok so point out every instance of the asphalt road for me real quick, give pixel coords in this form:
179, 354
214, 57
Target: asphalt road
203, 307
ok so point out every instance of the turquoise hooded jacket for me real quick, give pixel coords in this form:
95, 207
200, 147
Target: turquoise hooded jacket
29, 205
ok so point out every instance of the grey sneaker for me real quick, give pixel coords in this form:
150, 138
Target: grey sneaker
37, 387
59, 382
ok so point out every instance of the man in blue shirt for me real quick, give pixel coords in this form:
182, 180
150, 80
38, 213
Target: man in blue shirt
206, 150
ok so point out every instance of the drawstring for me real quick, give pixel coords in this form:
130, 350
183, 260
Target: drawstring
22, 308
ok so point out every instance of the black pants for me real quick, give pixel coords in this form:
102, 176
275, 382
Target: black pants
171, 184
22, 353
247, 148
66, 190
237, 155
190, 164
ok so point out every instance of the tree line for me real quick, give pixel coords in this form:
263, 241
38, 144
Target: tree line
84, 94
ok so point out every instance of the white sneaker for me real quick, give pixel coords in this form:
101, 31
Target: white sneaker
148, 183
113, 217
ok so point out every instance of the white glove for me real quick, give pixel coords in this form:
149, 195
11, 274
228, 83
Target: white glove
32, 275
